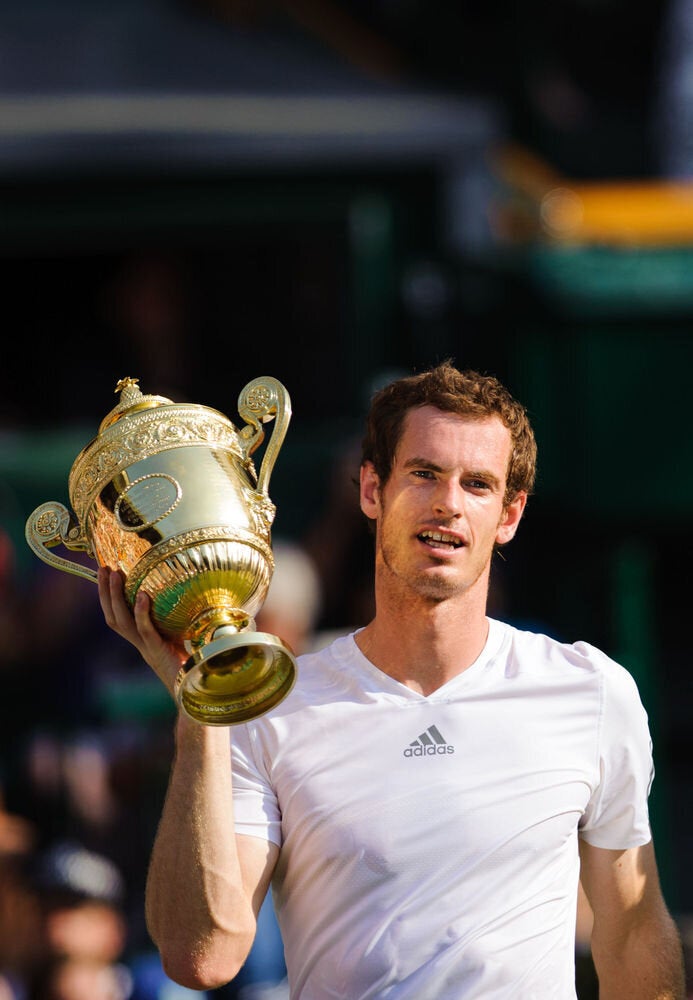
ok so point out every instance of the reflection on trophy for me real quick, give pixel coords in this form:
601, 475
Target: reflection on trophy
168, 493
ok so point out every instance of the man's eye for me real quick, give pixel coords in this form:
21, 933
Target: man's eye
423, 473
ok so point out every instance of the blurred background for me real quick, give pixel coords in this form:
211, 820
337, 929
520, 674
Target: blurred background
199, 192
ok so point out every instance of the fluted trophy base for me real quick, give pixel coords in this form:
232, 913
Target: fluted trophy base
236, 678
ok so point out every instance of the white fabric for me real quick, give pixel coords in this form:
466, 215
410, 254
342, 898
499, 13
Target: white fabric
427, 870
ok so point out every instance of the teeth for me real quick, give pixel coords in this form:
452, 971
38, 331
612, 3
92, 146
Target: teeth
437, 536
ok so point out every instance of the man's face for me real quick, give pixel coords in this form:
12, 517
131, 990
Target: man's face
441, 512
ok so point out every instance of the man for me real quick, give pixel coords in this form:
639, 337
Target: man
425, 799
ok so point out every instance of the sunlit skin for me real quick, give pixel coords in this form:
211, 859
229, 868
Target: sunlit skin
448, 479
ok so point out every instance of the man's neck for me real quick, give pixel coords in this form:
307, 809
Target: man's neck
424, 648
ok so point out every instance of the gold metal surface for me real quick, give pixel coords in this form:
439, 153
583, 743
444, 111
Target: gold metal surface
168, 494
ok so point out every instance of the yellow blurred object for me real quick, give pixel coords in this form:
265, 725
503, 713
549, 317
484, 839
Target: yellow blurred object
630, 214
544, 203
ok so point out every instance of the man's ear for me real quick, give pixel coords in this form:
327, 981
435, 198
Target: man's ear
510, 518
369, 490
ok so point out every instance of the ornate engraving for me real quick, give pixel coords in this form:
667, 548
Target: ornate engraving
47, 524
262, 511
148, 433
258, 399
191, 540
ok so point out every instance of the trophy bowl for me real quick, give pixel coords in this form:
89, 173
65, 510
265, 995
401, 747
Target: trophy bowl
168, 494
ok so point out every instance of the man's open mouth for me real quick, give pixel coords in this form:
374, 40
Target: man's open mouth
439, 539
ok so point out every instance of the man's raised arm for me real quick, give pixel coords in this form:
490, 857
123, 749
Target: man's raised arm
205, 886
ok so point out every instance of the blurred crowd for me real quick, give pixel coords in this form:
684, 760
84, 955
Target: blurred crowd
86, 739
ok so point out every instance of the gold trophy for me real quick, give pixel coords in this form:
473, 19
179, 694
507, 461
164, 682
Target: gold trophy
168, 493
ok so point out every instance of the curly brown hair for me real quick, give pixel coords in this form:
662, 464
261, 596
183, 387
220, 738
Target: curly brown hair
467, 393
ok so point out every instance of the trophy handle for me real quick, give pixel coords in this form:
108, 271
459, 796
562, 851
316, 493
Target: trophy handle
264, 399
51, 524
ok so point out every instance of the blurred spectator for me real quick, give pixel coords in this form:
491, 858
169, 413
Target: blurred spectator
81, 929
19, 914
84, 933
99, 788
80, 895
341, 548
294, 600
67, 977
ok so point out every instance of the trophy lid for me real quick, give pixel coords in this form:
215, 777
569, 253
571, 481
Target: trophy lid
132, 400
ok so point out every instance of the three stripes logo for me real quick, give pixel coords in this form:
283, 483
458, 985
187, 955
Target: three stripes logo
429, 744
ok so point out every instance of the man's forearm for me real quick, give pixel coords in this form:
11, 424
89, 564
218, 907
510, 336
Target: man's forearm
197, 911
647, 964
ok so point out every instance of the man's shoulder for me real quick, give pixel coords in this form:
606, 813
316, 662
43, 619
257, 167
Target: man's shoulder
327, 640
330, 655
542, 646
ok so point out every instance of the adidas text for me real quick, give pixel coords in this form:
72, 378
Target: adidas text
430, 751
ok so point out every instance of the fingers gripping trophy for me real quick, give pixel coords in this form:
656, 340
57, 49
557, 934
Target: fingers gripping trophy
168, 493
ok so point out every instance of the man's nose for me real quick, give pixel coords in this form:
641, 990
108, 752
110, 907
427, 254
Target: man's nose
449, 499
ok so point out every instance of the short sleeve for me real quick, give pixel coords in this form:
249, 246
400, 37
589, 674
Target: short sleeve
617, 815
256, 809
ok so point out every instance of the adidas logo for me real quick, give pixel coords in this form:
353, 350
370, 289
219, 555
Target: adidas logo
429, 744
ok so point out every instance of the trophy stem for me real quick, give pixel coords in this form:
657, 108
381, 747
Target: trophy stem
236, 677
214, 623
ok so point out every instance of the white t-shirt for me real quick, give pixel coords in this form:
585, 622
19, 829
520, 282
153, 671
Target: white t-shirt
429, 844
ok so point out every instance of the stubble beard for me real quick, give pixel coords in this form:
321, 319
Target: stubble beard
430, 586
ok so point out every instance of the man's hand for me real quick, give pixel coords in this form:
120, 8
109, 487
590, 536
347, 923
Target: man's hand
165, 658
